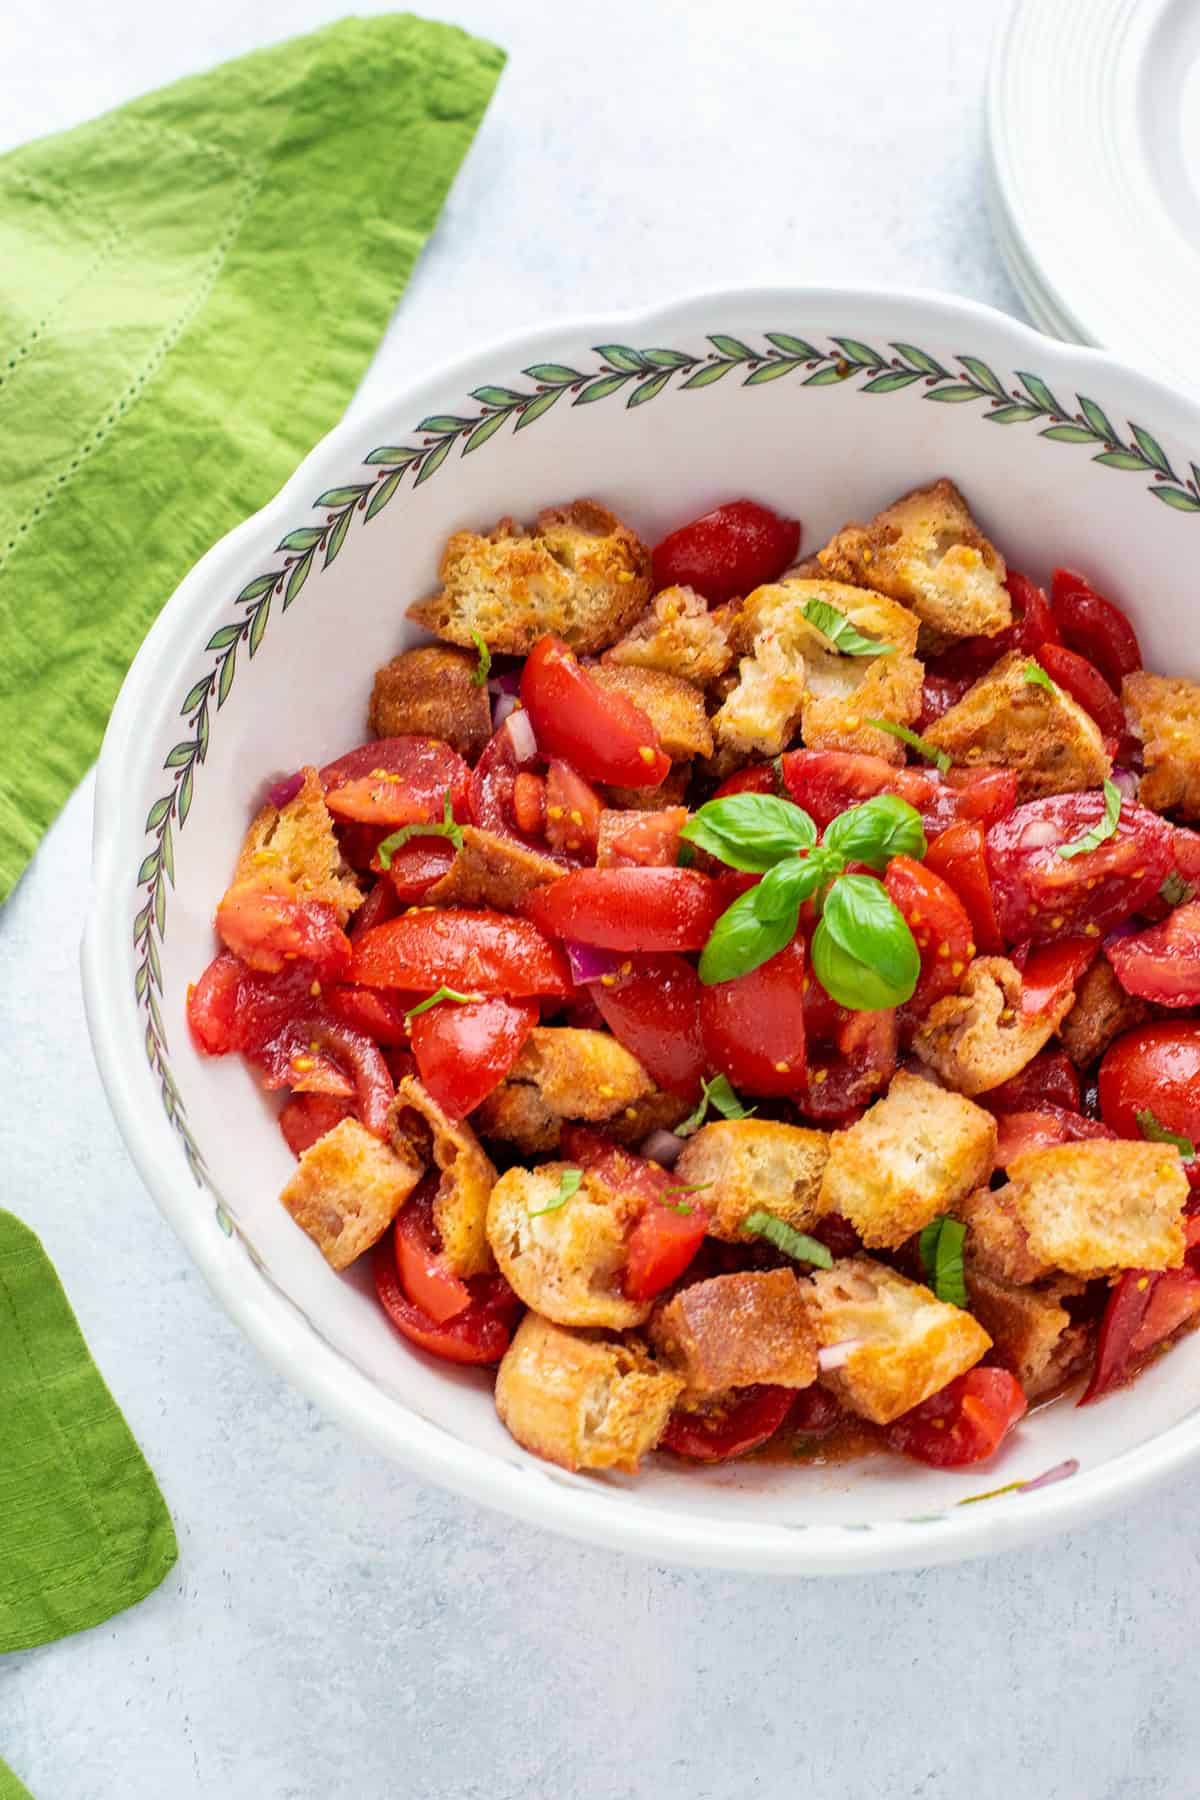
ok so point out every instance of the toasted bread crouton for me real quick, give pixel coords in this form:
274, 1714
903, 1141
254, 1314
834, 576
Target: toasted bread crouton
1098, 1207
579, 574
761, 715
673, 705
1164, 712
461, 1202
977, 1038
492, 871
1032, 1333
906, 1342
629, 840
669, 792
565, 1259
926, 551
1054, 746
916, 1153
582, 1401
779, 607
997, 1244
892, 688
1102, 1011
292, 851
753, 1163
736, 1330
517, 1113
678, 635
563, 1073
432, 692
347, 1189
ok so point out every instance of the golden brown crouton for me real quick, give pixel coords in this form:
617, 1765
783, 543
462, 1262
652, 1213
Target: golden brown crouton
916, 1153
761, 715
893, 689
779, 607
997, 1244
432, 692
674, 706
926, 551
1054, 746
977, 1038
906, 1343
579, 574
292, 850
460, 1204
566, 1260
736, 1330
1102, 1011
618, 833
562, 1073
583, 1401
347, 1189
1031, 1330
1098, 1207
1164, 711
679, 635
753, 1163
492, 871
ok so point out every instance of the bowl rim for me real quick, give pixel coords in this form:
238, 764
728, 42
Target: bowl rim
577, 1507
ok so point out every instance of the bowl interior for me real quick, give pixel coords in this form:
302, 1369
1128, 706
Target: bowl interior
265, 659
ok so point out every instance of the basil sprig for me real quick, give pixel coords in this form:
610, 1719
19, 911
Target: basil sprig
717, 1093
1036, 676
941, 759
941, 1250
1103, 829
844, 637
483, 667
443, 994
568, 1184
446, 828
1155, 1133
864, 954
785, 1237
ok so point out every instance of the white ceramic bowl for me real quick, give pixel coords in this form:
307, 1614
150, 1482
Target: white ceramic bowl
824, 402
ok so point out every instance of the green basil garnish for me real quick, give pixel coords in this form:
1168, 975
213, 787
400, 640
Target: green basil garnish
941, 1250
750, 831
763, 921
484, 666
841, 633
568, 1185
785, 1237
1155, 1133
717, 1093
1105, 828
876, 831
424, 828
443, 993
863, 953
940, 758
1175, 890
1036, 676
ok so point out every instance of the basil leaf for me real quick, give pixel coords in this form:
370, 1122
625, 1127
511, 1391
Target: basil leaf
1105, 828
1155, 1133
940, 758
941, 1248
424, 828
1036, 676
443, 993
863, 953
750, 831
785, 1237
484, 666
1175, 890
841, 633
719, 1094
874, 832
568, 1185
763, 921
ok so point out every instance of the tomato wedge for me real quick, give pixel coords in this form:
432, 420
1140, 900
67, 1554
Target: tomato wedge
1040, 1128
481, 1333
375, 1015
652, 1005
839, 1082
827, 782
423, 1275
268, 931
661, 1245
396, 781
417, 866
731, 1428
1039, 894
1144, 1307
573, 809
630, 909
755, 778
213, 1006
1162, 964
959, 856
1084, 682
753, 1026
939, 924
474, 952
963, 1423
380, 904
1093, 627
600, 732
464, 1052
1051, 969
619, 1168
307, 1117
729, 551
1050, 1079
493, 797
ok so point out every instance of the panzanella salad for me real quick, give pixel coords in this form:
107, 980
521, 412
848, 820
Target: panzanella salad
743, 997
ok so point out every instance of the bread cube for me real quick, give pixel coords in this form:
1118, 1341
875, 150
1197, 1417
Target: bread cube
461, 1202
1041, 732
1164, 712
735, 1331
432, 692
618, 834
979, 1037
746, 1164
673, 705
1102, 1011
582, 1401
492, 871
563, 1073
1032, 1333
292, 851
1102, 1206
997, 1244
565, 1261
347, 1188
678, 635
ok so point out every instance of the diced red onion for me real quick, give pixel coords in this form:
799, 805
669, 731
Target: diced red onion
835, 1356
1127, 782
520, 736
590, 964
284, 791
505, 705
508, 683
1059, 1472
1039, 832
1127, 928
662, 1147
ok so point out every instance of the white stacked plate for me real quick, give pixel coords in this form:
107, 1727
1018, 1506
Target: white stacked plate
1094, 126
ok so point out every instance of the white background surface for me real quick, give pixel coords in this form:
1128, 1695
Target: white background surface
334, 1628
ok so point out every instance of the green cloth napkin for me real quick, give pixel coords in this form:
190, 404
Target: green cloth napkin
190, 290
10, 1787
84, 1532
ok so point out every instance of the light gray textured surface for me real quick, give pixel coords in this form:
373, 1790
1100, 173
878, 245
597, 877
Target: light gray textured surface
334, 1628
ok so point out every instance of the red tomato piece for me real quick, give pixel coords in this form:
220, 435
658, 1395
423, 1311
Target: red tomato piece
1050, 1079
1039, 894
1041, 1128
755, 778
268, 931
630, 909
1086, 684
481, 1333
423, 1275
827, 782
619, 1168
416, 866
1186, 845
962, 1423
474, 952
863, 1060
729, 551
1144, 1308
650, 841
731, 1428
573, 809
753, 1027
661, 1245
212, 1006
375, 1015
464, 1052
959, 856
986, 795
1094, 627
939, 692
396, 781
1050, 969
939, 924
816, 1411
529, 803
1154, 1067
1033, 623
652, 1006
380, 904
598, 731
1162, 964
493, 791
307, 1117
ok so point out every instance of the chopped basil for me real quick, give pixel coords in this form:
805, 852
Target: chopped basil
874, 832
446, 828
763, 921
1036, 676
941, 1248
785, 1237
1105, 828
1155, 1133
863, 953
484, 666
718, 1094
443, 993
750, 831
1175, 890
922, 746
841, 633
568, 1184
